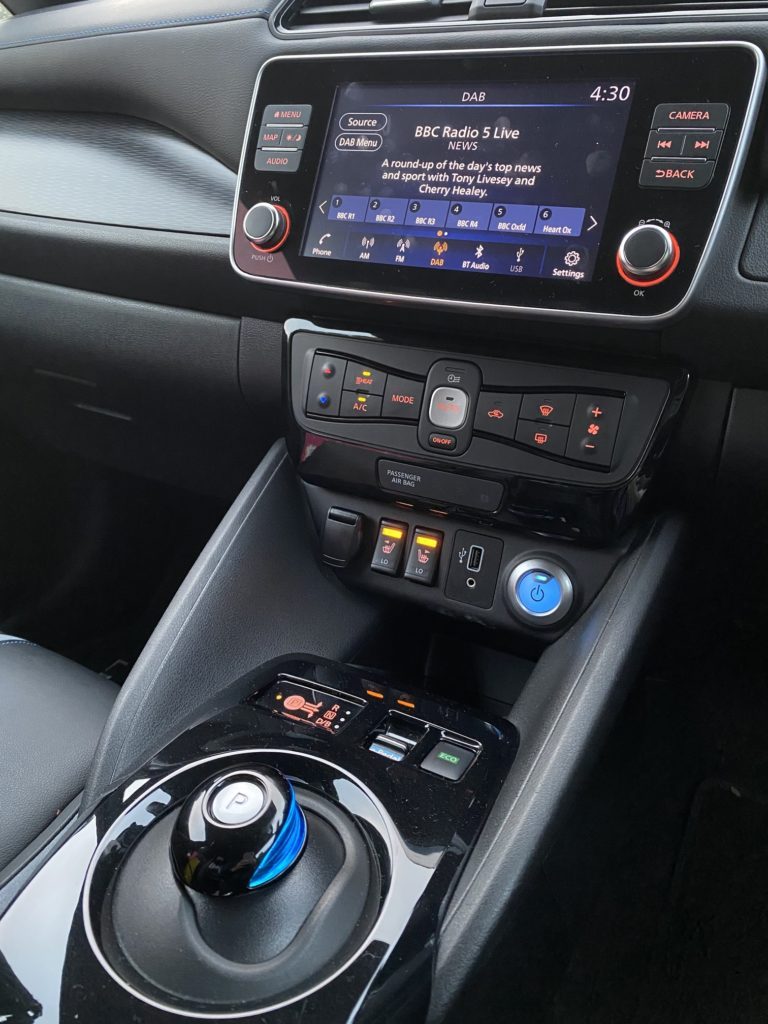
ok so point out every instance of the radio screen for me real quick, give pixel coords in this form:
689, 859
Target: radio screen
511, 179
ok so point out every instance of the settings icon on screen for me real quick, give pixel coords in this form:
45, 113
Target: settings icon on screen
572, 258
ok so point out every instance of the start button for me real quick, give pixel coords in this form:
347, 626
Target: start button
539, 591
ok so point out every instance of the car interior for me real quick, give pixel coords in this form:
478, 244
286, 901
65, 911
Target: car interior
384, 453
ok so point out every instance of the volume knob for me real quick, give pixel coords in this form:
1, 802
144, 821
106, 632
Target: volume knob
648, 254
267, 226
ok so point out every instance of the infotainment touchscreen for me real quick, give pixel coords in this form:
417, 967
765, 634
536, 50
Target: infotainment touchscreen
497, 178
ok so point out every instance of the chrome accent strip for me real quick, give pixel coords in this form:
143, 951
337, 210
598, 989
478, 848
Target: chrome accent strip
556, 21
532, 312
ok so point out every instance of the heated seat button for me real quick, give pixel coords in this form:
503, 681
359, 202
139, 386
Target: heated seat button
546, 437
360, 406
402, 398
497, 414
390, 545
448, 760
365, 378
325, 381
424, 557
548, 408
595, 426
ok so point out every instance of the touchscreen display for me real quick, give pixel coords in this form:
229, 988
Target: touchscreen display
511, 179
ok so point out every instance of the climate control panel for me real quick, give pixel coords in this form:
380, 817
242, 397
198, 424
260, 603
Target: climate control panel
551, 446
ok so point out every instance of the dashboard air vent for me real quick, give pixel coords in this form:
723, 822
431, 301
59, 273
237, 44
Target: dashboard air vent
319, 14
354, 13
614, 8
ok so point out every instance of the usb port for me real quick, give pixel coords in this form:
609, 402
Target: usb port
475, 560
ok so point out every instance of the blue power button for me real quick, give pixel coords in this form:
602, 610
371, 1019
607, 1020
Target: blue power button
539, 592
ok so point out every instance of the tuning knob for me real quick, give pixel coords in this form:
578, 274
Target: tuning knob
267, 226
648, 254
238, 832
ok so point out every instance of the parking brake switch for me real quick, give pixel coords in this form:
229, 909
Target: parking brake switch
396, 737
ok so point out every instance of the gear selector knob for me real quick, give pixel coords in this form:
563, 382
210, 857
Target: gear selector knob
239, 831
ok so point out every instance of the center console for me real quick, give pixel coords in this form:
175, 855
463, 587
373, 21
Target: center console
578, 183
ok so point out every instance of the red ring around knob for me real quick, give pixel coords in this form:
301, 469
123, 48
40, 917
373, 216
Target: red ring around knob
643, 283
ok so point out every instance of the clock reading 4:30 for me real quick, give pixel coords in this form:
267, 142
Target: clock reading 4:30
611, 93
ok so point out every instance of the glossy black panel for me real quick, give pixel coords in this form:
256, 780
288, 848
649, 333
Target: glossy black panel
421, 826
551, 492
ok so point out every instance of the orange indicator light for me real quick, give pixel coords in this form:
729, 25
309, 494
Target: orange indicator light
376, 694
391, 531
406, 703
427, 542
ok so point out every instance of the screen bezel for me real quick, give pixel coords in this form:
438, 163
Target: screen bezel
709, 74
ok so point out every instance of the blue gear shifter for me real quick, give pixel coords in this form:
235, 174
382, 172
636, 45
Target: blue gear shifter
237, 833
